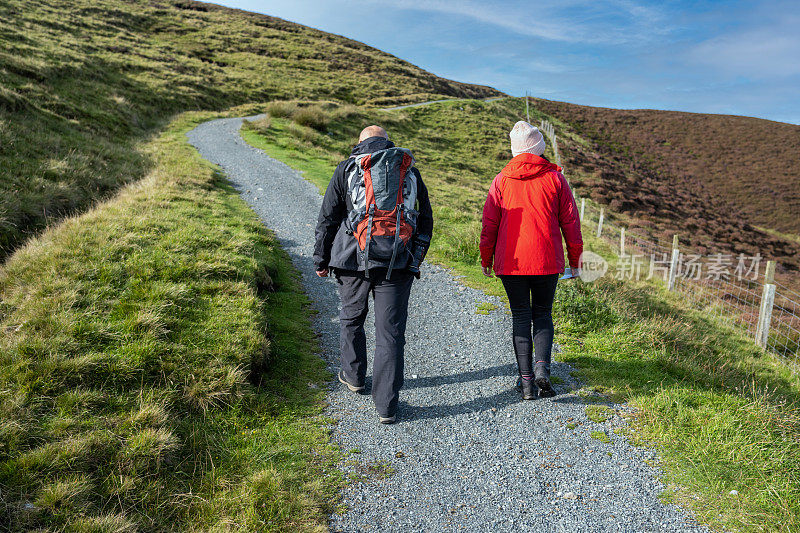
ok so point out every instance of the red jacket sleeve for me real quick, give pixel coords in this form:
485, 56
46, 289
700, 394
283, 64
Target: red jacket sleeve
570, 223
491, 222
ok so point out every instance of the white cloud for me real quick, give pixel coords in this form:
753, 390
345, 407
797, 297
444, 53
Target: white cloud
577, 21
764, 52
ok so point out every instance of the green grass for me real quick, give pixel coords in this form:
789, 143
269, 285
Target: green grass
599, 413
83, 82
156, 367
722, 414
601, 436
484, 308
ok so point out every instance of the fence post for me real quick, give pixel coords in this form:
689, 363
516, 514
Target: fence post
767, 301
673, 264
622, 241
555, 150
527, 114
600, 222
583, 207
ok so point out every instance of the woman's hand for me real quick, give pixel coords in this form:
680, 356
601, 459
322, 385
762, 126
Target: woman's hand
487, 271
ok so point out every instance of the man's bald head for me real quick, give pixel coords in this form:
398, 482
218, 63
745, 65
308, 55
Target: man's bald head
372, 131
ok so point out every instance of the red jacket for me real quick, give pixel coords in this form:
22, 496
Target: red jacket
529, 207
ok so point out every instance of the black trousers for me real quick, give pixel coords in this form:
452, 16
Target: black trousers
531, 302
391, 314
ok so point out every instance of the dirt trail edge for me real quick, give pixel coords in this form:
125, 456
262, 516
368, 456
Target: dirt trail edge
466, 454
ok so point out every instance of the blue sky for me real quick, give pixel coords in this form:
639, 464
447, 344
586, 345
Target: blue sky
740, 58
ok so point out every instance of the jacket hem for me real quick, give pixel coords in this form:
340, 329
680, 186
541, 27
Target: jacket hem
531, 273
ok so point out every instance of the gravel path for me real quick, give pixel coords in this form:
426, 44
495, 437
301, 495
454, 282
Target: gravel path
466, 454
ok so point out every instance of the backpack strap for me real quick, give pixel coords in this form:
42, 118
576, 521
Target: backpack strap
369, 192
366, 243
396, 239
400, 206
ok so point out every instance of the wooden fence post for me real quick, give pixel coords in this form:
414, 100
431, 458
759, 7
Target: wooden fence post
583, 207
527, 114
622, 241
673, 264
600, 222
555, 150
767, 301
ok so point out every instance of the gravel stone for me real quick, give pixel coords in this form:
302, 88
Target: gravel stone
448, 464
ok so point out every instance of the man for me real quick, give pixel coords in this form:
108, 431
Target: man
373, 231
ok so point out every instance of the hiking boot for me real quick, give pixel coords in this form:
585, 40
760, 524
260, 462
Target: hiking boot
387, 419
545, 388
354, 388
526, 388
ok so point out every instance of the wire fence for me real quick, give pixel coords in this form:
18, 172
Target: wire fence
735, 290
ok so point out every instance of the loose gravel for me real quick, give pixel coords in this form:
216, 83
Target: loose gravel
466, 453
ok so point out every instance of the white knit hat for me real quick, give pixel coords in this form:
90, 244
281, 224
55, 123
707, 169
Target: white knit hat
526, 139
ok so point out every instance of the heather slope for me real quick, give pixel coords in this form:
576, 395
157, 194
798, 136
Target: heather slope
718, 180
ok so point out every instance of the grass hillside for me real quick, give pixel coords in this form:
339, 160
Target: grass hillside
157, 367
82, 82
722, 414
712, 178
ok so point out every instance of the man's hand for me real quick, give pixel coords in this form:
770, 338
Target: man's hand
487, 271
323, 273
574, 273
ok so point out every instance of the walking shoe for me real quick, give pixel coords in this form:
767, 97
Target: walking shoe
354, 388
545, 389
526, 389
387, 419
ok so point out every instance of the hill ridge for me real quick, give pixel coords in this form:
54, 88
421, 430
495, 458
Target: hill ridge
83, 82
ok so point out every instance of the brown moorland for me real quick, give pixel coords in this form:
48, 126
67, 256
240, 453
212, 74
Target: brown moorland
722, 182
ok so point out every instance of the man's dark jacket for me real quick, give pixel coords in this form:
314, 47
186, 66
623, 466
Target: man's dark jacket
335, 247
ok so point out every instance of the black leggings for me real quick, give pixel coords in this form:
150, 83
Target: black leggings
531, 301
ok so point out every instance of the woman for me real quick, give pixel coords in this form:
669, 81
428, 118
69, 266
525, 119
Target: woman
529, 207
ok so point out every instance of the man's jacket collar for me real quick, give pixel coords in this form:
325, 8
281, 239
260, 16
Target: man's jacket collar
371, 145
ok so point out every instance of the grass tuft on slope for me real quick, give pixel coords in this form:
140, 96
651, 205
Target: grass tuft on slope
157, 367
723, 415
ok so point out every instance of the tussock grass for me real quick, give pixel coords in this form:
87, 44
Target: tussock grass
313, 117
722, 414
281, 109
155, 367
